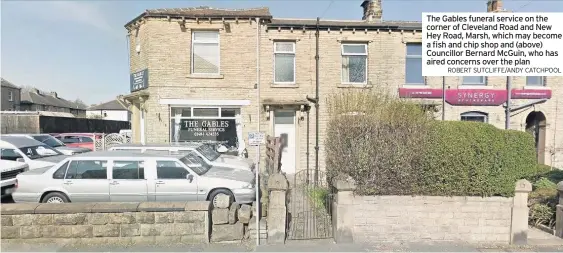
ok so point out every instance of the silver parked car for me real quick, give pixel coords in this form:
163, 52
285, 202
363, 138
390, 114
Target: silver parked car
54, 143
205, 151
121, 176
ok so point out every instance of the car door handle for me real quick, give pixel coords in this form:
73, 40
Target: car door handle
114, 183
159, 182
68, 183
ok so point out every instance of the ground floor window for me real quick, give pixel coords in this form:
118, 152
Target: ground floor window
475, 116
219, 125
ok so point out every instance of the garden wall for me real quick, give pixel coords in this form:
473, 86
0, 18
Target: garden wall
98, 222
407, 218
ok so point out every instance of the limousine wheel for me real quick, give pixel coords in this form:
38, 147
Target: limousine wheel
55, 197
218, 192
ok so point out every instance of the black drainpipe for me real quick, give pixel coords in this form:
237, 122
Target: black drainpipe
316, 102
307, 180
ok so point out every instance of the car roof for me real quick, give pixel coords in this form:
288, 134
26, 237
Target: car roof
21, 141
160, 145
25, 135
126, 154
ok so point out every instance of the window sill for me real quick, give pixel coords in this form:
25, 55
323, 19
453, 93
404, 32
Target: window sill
354, 85
206, 76
284, 85
537, 88
475, 87
414, 86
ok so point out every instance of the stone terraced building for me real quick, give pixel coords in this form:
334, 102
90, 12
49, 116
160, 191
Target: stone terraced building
204, 74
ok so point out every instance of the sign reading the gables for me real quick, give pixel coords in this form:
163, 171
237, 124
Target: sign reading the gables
476, 97
208, 129
139, 80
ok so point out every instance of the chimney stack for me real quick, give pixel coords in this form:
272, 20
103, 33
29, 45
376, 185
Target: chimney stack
54, 94
372, 10
494, 6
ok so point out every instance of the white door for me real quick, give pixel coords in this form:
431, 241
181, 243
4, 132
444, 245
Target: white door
284, 127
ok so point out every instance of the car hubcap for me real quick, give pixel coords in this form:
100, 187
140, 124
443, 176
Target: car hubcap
55, 200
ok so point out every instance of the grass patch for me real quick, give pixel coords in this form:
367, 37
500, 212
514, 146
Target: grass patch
318, 197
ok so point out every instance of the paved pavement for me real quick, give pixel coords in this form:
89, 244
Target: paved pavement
290, 246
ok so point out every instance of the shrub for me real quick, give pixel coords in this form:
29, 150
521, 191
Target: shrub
375, 139
393, 147
542, 214
475, 159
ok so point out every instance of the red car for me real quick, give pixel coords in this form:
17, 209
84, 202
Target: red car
82, 140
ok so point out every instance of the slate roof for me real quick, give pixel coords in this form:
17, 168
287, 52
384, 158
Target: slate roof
110, 105
32, 97
205, 12
347, 24
6, 83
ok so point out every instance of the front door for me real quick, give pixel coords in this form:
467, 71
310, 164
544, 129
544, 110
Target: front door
172, 183
284, 127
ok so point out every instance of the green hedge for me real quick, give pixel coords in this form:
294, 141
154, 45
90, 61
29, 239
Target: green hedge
395, 148
475, 159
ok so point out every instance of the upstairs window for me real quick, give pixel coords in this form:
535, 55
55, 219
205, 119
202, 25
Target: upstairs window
413, 64
354, 63
535, 81
10, 96
474, 80
205, 52
284, 62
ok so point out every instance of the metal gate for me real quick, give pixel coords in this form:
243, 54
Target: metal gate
310, 207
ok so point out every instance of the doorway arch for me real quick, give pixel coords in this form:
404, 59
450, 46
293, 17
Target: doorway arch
536, 125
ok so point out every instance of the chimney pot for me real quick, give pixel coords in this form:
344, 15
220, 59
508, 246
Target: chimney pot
494, 6
372, 10
54, 94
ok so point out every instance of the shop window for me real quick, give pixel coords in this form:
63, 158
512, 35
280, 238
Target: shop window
205, 52
206, 112
354, 63
413, 64
284, 62
535, 81
475, 116
474, 80
211, 124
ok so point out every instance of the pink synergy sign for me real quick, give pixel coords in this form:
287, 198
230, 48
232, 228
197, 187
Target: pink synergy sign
475, 97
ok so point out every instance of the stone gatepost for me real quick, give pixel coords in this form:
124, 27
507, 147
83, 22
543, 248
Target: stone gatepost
277, 208
520, 211
559, 212
343, 210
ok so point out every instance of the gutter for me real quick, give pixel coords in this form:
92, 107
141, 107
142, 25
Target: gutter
146, 14
370, 27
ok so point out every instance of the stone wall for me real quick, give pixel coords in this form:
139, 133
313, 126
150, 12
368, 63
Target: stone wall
95, 222
474, 219
493, 220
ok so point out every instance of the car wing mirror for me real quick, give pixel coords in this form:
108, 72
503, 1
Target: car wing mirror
21, 160
190, 177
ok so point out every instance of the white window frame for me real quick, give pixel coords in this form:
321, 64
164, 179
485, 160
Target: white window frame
541, 84
218, 42
407, 56
10, 96
475, 114
342, 53
484, 83
276, 52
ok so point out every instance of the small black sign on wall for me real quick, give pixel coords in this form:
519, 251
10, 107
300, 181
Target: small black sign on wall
139, 80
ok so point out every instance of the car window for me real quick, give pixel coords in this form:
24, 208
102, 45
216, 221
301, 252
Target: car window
60, 173
87, 170
10, 154
49, 140
170, 170
86, 139
39, 151
128, 170
68, 139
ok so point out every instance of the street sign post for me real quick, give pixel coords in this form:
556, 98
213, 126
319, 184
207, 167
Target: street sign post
257, 139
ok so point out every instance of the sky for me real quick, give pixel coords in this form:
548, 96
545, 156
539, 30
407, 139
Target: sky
79, 49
